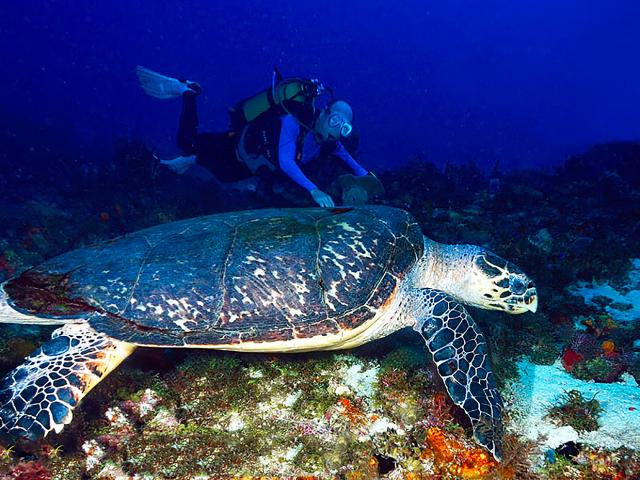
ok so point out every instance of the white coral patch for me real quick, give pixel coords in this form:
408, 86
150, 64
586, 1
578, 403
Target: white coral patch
381, 425
235, 423
94, 452
292, 398
117, 417
292, 453
360, 380
164, 420
255, 373
343, 391
147, 403
110, 470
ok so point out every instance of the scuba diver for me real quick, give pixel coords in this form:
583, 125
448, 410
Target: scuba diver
279, 129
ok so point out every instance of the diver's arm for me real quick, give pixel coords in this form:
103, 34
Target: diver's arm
289, 132
287, 153
342, 153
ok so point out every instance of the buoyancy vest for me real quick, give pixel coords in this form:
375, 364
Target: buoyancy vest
294, 96
258, 145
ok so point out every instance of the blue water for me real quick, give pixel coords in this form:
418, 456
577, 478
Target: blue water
523, 82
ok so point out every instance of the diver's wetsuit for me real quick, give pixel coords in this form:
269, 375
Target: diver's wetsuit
215, 151
269, 138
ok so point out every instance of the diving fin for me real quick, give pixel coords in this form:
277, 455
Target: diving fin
160, 86
180, 164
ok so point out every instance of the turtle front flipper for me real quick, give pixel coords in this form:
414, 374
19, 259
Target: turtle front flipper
39, 395
460, 353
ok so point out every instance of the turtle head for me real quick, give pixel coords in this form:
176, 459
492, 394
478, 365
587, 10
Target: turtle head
501, 285
478, 277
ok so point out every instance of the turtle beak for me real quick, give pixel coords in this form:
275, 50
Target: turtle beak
525, 302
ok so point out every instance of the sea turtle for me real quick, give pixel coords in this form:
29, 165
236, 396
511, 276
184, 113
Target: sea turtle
273, 280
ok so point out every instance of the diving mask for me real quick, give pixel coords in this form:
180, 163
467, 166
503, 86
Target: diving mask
337, 122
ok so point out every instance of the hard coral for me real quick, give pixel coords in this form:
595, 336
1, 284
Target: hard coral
592, 358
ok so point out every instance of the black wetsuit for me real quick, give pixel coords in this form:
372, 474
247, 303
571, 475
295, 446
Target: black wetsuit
215, 151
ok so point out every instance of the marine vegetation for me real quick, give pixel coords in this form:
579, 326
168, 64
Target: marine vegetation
576, 411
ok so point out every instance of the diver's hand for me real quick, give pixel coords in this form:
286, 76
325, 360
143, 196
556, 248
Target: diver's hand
322, 198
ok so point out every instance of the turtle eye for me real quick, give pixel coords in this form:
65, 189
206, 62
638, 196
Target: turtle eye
516, 285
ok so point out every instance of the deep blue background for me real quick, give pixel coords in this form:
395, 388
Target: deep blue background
525, 82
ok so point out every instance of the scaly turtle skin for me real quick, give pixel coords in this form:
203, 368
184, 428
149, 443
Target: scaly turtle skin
265, 280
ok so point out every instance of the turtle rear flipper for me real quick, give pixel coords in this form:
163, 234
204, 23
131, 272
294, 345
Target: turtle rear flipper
39, 395
460, 353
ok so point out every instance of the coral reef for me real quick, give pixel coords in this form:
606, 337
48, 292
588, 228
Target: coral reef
218, 415
593, 463
379, 412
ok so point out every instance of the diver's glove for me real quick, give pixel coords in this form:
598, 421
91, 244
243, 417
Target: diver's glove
322, 198
179, 164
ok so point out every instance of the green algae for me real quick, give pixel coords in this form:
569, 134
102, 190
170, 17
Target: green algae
597, 368
407, 358
545, 352
576, 411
